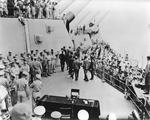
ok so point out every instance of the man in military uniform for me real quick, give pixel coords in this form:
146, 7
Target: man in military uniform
53, 61
71, 60
37, 67
36, 88
92, 67
67, 54
5, 83
22, 88
31, 62
76, 67
147, 76
9, 57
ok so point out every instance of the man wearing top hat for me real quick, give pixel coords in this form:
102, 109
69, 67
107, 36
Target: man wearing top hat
147, 76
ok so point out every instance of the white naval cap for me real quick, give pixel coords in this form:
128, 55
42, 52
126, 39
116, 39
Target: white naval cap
25, 73
56, 114
83, 115
2, 72
39, 110
112, 116
21, 111
2, 66
38, 76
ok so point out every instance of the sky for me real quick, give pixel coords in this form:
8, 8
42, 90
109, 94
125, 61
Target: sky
124, 24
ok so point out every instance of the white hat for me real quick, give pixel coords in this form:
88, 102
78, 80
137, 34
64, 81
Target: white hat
2, 66
112, 116
2, 72
21, 111
83, 115
38, 76
25, 73
56, 114
13, 75
39, 110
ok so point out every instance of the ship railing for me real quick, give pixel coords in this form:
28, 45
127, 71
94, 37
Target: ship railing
126, 89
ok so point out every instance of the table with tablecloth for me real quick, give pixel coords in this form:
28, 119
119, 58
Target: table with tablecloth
55, 103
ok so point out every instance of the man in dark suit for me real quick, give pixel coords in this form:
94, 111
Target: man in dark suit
147, 76
92, 67
62, 60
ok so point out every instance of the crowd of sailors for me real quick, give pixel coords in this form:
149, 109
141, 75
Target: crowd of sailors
29, 9
21, 73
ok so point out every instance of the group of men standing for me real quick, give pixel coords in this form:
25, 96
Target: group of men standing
74, 60
21, 74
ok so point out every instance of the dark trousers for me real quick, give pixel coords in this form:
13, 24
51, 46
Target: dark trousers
147, 83
14, 97
67, 64
31, 77
62, 66
76, 72
71, 72
92, 74
85, 74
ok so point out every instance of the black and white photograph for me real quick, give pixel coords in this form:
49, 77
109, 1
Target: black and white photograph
74, 59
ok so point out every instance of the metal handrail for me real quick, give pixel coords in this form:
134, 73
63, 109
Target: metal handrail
134, 99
